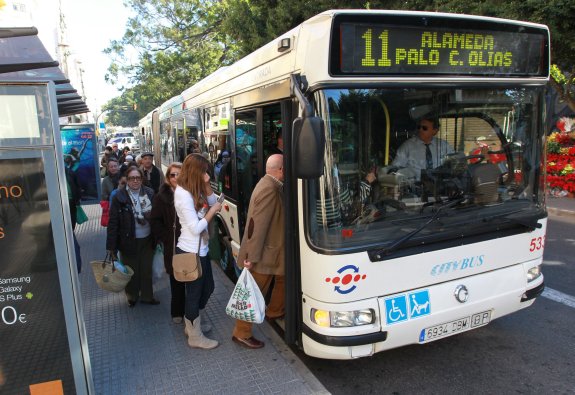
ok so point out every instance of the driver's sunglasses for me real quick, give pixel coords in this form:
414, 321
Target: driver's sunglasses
422, 127
174, 175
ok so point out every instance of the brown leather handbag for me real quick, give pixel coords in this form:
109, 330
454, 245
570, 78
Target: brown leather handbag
187, 267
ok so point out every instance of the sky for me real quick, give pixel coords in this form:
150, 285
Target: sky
91, 25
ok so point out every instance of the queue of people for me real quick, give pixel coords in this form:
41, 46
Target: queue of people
174, 209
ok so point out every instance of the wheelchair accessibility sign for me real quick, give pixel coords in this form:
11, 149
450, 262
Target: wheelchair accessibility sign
407, 306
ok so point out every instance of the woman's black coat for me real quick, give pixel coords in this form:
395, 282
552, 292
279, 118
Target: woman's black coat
122, 225
162, 220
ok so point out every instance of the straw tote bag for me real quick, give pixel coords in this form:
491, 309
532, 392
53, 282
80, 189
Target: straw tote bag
108, 277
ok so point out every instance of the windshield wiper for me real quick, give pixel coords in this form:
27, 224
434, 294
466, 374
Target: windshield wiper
530, 223
379, 254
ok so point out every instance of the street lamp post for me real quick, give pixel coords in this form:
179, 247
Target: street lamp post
98, 123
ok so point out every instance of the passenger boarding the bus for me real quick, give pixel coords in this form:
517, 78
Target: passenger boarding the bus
223, 158
345, 197
423, 151
279, 147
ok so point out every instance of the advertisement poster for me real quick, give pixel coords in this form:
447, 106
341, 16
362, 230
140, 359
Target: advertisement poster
80, 147
34, 343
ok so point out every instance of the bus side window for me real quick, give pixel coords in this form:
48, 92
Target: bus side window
246, 156
224, 176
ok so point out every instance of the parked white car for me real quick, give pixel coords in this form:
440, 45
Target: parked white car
130, 141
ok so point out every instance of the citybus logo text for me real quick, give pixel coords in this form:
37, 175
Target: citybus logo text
462, 264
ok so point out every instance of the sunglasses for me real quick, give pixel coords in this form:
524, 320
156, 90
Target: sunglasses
174, 175
135, 178
423, 127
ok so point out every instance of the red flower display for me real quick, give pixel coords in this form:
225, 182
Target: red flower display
561, 159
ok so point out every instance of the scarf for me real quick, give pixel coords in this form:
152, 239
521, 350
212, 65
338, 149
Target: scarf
141, 204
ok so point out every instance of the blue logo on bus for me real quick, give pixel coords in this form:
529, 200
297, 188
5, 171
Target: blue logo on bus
419, 304
396, 309
347, 276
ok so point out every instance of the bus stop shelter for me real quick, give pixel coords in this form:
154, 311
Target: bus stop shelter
44, 346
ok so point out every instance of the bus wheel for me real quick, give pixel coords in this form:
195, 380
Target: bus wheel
227, 261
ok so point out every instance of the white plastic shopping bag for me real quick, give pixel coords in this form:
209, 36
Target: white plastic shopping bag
158, 263
247, 302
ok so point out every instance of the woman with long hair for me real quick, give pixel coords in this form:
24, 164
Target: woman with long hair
130, 232
196, 205
166, 229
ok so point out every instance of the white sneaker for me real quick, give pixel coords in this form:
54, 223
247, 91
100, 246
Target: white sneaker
177, 320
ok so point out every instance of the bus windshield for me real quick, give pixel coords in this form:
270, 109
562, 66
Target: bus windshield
422, 166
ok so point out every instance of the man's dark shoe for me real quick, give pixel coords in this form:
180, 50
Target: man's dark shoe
250, 342
131, 303
153, 301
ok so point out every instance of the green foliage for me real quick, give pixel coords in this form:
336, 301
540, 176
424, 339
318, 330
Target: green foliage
120, 110
558, 75
553, 147
564, 85
176, 43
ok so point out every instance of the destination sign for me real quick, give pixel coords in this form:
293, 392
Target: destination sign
390, 49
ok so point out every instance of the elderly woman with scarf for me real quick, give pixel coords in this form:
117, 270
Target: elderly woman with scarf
130, 232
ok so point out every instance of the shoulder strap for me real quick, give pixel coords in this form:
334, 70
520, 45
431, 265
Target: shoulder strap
199, 237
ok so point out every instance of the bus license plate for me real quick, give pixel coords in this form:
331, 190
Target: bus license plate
456, 326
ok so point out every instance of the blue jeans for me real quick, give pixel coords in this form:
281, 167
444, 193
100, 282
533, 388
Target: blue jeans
198, 292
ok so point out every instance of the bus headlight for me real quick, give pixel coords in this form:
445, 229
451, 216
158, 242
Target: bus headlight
320, 317
533, 273
339, 319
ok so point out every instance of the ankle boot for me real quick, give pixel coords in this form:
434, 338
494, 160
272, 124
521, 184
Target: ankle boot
196, 338
206, 327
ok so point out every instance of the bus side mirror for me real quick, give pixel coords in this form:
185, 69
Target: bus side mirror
308, 147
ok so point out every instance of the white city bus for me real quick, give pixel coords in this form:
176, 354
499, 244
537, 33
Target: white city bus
417, 255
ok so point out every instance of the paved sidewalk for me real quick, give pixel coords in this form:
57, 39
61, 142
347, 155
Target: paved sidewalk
560, 206
140, 351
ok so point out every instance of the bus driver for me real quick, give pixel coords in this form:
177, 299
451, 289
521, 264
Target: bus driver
423, 151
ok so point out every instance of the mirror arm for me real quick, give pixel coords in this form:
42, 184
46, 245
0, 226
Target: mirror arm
295, 84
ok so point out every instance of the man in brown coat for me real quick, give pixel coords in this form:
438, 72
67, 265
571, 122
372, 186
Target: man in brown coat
262, 249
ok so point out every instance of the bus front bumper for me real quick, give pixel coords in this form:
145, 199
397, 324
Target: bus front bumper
491, 295
344, 341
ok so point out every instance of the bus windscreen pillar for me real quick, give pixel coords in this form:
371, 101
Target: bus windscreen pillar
43, 340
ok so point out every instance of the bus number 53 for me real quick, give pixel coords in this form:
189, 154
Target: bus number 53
537, 243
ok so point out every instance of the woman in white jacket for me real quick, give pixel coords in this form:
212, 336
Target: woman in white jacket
196, 205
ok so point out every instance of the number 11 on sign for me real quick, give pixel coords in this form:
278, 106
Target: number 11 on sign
368, 59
